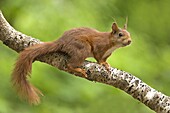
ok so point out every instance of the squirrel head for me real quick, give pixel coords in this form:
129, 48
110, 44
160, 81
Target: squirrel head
120, 36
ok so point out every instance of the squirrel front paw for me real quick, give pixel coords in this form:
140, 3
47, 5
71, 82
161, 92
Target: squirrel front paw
106, 65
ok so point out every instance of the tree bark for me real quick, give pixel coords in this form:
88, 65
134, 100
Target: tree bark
130, 84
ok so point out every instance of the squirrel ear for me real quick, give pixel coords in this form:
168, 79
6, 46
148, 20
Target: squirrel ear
115, 27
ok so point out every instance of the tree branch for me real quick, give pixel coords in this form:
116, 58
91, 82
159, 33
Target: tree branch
115, 77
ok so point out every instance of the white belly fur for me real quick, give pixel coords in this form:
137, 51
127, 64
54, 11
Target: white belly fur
109, 51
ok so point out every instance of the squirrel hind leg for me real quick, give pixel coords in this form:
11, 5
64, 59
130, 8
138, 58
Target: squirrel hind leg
73, 66
77, 55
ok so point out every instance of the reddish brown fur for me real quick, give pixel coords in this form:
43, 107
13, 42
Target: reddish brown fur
78, 44
23, 68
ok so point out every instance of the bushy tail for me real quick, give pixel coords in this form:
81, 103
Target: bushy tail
23, 68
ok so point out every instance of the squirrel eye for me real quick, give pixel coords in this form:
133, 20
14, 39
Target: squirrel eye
120, 34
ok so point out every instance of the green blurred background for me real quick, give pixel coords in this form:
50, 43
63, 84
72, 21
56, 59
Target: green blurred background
147, 57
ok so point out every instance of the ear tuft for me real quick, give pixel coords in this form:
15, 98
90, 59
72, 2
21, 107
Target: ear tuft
125, 26
115, 27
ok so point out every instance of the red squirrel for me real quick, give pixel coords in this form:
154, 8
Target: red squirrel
78, 44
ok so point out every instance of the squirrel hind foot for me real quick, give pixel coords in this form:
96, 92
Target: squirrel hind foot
79, 71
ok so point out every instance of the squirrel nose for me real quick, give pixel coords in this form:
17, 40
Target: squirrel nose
129, 41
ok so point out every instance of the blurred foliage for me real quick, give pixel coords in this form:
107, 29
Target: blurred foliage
147, 57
